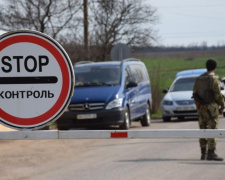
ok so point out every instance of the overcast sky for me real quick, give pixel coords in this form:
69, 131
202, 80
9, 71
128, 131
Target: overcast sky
190, 22
186, 22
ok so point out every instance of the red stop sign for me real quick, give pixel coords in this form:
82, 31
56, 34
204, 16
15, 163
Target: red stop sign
36, 79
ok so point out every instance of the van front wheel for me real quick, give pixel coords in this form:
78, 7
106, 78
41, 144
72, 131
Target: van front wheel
146, 119
126, 123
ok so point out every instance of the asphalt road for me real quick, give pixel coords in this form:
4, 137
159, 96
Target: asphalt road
110, 159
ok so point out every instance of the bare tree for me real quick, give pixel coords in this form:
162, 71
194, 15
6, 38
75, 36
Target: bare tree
121, 21
47, 16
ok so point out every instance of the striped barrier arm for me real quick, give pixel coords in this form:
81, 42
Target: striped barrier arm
112, 134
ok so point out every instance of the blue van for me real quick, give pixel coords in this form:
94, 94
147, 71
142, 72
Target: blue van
109, 93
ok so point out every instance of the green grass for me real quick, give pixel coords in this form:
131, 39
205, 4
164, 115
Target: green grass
167, 68
157, 114
163, 71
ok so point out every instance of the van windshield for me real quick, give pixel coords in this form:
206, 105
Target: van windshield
183, 84
97, 76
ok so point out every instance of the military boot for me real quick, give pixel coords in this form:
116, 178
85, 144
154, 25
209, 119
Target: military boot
213, 156
204, 153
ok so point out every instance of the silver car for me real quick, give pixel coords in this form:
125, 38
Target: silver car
178, 101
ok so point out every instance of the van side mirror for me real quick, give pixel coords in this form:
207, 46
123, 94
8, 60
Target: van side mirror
132, 84
221, 88
165, 91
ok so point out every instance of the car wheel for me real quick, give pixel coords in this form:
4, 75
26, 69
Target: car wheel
166, 119
126, 123
146, 119
223, 114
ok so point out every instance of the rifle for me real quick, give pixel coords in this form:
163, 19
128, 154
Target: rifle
203, 103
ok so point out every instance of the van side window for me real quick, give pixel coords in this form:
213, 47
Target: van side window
138, 73
127, 77
144, 73
135, 73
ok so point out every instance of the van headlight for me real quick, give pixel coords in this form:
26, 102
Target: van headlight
115, 103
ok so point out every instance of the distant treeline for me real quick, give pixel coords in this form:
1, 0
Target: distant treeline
174, 48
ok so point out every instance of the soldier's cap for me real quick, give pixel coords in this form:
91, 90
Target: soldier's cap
211, 64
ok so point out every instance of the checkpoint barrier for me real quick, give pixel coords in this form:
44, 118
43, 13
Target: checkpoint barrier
108, 134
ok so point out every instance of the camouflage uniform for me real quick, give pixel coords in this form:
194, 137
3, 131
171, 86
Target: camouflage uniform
208, 88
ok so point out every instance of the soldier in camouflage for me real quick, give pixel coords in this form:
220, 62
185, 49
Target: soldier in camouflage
207, 87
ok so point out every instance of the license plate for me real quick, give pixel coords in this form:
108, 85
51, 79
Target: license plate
185, 108
86, 116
